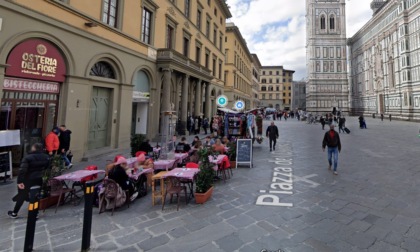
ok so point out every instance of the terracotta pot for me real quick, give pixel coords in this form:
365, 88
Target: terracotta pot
232, 164
201, 198
48, 202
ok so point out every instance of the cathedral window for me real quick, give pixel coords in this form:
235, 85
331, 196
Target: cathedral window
332, 23
322, 22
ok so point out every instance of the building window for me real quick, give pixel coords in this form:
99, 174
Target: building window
146, 25
263, 80
208, 29
270, 81
270, 96
263, 96
263, 88
277, 88
221, 42
110, 12
207, 59
199, 19
263, 73
197, 54
170, 37
214, 67
322, 22
271, 73
215, 37
103, 69
186, 46
187, 8
332, 23
277, 80
220, 69
277, 72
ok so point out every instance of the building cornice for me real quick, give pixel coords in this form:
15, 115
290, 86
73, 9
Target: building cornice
231, 27
224, 7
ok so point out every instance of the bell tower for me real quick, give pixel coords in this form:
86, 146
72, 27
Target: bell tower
326, 56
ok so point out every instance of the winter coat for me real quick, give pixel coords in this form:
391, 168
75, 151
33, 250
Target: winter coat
65, 140
332, 142
52, 143
32, 167
272, 132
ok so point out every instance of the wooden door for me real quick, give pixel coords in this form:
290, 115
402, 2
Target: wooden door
99, 123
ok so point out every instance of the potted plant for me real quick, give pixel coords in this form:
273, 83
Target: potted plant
55, 169
136, 140
205, 178
232, 153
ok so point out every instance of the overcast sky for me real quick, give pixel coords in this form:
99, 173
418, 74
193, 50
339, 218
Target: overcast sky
275, 29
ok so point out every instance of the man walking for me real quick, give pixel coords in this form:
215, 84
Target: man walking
65, 144
341, 124
52, 143
30, 174
273, 134
332, 141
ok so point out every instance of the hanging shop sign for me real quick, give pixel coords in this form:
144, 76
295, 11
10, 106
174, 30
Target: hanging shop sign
239, 105
36, 59
16, 84
222, 101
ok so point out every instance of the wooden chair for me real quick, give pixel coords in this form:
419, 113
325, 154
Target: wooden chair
57, 189
175, 187
82, 183
111, 192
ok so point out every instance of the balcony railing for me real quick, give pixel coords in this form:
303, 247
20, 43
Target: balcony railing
172, 55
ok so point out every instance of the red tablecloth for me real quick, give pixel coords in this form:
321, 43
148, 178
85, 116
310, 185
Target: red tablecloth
77, 176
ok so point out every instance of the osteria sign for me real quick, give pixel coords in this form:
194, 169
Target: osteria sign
36, 59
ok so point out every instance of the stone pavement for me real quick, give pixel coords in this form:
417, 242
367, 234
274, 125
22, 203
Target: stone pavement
372, 205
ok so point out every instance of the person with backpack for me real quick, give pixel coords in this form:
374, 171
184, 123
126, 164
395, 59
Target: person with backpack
30, 174
332, 141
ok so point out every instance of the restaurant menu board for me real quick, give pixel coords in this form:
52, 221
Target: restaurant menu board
244, 152
9, 137
5, 165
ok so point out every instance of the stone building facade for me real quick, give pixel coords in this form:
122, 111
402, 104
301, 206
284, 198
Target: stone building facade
298, 95
326, 56
385, 61
275, 87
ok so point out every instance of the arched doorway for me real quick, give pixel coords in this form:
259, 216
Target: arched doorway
141, 97
100, 106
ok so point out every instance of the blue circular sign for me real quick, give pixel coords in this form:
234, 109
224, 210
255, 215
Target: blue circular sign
222, 101
239, 105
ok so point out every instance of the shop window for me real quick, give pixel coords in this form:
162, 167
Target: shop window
103, 69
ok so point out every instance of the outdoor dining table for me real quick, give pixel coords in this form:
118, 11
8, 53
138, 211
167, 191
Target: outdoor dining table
163, 164
186, 174
77, 177
180, 157
217, 161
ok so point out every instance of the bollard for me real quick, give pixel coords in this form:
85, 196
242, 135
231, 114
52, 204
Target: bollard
87, 216
32, 215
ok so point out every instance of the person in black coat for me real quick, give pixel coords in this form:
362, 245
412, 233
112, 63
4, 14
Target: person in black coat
273, 134
120, 176
65, 138
30, 174
145, 146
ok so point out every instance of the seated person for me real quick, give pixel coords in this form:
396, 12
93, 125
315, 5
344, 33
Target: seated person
144, 163
145, 146
219, 147
208, 141
225, 140
120, 176
111, 165
194, 157
196, 139
183, 146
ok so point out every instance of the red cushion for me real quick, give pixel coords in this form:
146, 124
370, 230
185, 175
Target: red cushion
192, 165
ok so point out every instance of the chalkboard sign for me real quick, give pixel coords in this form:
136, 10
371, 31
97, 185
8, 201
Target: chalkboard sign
5, 165
244, 152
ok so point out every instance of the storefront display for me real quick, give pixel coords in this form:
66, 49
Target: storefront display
31, 90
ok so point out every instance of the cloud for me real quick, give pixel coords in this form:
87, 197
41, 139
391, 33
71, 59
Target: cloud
276, 29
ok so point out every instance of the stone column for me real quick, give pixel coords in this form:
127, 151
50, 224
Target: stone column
198, 96
166, 92
208, 101
184, 105
165, 117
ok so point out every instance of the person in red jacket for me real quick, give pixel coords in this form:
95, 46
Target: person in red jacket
51, 141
